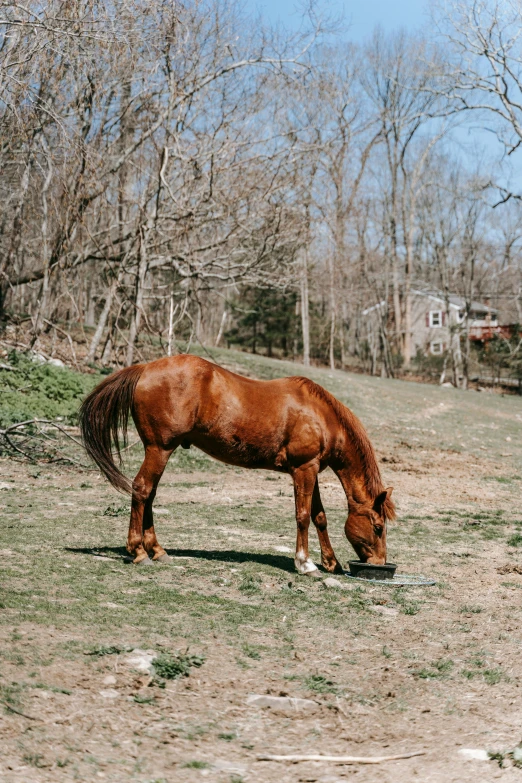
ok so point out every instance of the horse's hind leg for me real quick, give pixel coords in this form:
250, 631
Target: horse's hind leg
328, 558
142, 538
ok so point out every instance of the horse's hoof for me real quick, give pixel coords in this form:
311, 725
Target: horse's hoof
337, 569
314, 574
145, 562
163, 559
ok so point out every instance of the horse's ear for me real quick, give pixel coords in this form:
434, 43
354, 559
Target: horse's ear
381, 498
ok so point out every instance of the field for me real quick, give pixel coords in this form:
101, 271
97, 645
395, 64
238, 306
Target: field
434, 669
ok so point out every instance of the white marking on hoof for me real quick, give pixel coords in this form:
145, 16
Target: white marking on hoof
304, 565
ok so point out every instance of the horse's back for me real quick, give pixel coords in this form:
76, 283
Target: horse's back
188, 397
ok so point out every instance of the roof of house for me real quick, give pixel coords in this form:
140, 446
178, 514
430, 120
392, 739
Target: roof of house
455, 302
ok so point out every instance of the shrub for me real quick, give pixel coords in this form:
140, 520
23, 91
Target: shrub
33, 390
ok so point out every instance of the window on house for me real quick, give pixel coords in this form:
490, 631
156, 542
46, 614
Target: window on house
436, 348
435, 317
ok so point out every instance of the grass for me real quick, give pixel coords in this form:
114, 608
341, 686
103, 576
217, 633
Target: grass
169, 666
440, 669
116, 511
99, 650
490, 676
140, 699
231, 599
252, 651
250, 585
317, 683
228, 736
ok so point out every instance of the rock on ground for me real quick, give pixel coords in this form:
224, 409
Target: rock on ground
282, 703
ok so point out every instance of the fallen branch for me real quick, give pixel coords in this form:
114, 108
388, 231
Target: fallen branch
65, 718
344, 759
33, 455
19, 712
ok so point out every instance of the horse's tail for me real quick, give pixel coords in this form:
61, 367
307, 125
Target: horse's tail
103, 413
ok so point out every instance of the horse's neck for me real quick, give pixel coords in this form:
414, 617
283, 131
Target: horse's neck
353, 481
358, 470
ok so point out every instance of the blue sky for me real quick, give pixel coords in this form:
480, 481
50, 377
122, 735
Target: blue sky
361, 16
360, 19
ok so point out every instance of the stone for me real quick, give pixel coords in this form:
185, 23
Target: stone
141, 660
333, 584
110, 679
476, 754
110, 693
232, 767
282, 703
37, 358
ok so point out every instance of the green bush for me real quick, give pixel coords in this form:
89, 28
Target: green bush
34, 390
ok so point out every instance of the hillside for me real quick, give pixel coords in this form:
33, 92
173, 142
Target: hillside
385, 670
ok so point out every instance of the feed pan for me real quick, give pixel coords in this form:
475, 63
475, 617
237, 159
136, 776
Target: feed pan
371, 571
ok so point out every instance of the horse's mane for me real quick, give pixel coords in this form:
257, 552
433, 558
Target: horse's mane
360, 439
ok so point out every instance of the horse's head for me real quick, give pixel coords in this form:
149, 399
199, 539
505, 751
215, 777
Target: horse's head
365, 527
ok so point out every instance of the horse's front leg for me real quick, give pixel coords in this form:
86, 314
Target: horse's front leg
142, 538
328, 558
304, 481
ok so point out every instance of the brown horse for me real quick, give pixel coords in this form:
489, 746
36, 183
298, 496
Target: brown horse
290, 425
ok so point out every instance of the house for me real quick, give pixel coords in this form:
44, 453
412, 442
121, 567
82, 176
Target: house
437, 319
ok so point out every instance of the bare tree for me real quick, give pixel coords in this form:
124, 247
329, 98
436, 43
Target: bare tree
399, 77
141, 154
483, 75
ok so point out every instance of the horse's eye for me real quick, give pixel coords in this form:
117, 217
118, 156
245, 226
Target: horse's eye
378, 527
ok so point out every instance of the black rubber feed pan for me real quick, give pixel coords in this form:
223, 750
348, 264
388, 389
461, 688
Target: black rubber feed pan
371, 571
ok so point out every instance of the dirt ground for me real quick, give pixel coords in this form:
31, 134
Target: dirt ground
432, 669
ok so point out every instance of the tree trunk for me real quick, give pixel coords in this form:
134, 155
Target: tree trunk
221, 327
407, 320
104, 315
41, 312
138, 300
467, 349
172, 313
305, 311
96, 338
333, 304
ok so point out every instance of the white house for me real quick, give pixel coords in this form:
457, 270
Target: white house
436, 318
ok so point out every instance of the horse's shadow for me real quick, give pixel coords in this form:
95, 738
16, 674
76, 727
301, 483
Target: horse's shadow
224, 555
